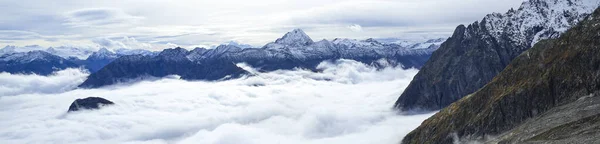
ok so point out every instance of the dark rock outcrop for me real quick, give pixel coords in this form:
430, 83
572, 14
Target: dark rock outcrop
554, 73
478, 52
88, 103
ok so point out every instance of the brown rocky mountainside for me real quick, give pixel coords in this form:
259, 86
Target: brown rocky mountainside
548, 94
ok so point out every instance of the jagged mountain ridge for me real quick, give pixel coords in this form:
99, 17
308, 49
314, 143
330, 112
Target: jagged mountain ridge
34, 62
416, 43
104, 56
478, 52
95, 60
76, 52
37, 60
294, 50
548, 94
62, 51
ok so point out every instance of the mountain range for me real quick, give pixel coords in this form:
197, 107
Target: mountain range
37, 60
294, 50
530, 75
476, 53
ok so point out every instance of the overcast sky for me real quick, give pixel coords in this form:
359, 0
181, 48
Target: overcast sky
157, 24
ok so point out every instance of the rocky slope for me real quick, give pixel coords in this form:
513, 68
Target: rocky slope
549, 93
478, 52
576, 122
294, 50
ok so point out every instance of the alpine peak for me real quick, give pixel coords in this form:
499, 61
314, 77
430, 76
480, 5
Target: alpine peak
105, 51
296, 37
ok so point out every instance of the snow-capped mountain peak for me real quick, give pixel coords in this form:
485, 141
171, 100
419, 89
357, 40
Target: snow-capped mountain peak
25, 57
227, 48
174, 53
16, 49
220, 50
371, 40
295, 38
103, 53
237, 44
429, 44
436, 40
368, 43
66, 52
538, 19
125, 51
70, 52
8, 50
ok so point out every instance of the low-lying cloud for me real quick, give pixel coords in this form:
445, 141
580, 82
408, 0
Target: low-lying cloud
355, 27
61, 81
348, 102
124, 42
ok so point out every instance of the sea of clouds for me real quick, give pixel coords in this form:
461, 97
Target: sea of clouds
348, 102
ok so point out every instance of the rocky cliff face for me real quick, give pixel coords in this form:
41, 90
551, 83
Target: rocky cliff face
478, 52
536, 90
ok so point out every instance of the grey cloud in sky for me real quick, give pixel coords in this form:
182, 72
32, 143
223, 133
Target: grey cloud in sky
192, 23
18, 35
100, 17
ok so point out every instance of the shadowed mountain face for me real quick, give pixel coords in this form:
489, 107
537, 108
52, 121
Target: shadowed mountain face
294, 50
169, 62
102, 57
478, 52
548, 94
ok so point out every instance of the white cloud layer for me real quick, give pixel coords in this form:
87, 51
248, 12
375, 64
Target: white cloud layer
355, 27
61, 81
125, 42
347, 103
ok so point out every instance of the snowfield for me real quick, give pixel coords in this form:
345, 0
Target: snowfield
348, 102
